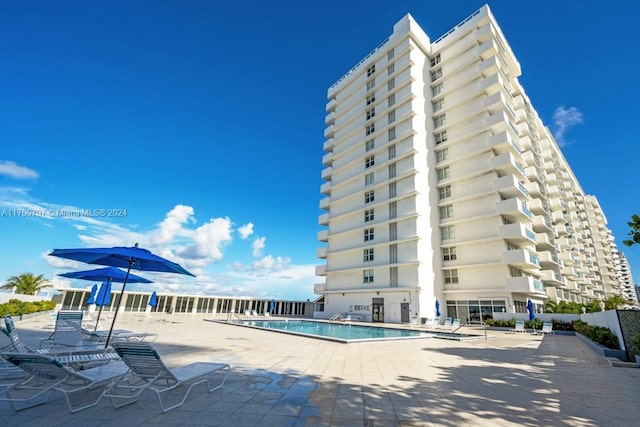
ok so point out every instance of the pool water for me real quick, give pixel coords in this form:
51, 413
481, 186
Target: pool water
341, 332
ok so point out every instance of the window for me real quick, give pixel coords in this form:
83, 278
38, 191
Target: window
393, 277
369, 196
391, 84
371, 70
368, 215
393, 232
370, 129
390, 69
435, 90
393, 253
371, 113
369, 161
435, 60
392, 189
392, 151
369, 179
442, 173
391, 116
447, 232
371, 99
390, 55
442, 155
449, 254
370, 145
368, 234
367, 276
441, 137
444, 192
371, 84
393, 210
450, 276
391, 100
392, 170
391, 133
437, 105
439, 120
435, 75
446, 211
368, 255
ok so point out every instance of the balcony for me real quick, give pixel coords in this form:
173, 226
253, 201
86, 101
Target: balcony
321, 270
536, 206
326, 188
514, 209
508, 186
324, 203
321, 253
527, 285
329, 131
323, 236
517, 232
551, 278
533, 188
506, 163
323, 219
331, 105
327, 159
326, 173
328, 144
547, 259
541, 224
543, 241
521, 258
319, 288
330, 118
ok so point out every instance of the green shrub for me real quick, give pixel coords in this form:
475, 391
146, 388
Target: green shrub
635, 344
15, 307
599, 334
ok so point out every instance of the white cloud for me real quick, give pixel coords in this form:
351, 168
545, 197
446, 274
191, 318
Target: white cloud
563, 120
245, 231
172, 225
16, 171
258, 246
208, 241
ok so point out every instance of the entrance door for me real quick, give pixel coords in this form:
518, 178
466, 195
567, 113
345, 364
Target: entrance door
404, 312
377, 306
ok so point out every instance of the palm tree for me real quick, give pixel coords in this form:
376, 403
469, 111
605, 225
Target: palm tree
27, 283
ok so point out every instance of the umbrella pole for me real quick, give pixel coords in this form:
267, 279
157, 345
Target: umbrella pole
113, 322
98, 320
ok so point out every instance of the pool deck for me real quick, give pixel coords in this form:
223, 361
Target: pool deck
283, 380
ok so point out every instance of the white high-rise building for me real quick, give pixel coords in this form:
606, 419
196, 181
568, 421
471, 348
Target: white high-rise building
443, 187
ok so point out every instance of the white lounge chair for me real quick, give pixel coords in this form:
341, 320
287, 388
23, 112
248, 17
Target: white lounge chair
447, 323
47, 375
455, 324
147, 371
547, 328
519, 327
68, 331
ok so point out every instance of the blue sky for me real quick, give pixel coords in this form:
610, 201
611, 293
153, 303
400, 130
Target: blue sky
204, 121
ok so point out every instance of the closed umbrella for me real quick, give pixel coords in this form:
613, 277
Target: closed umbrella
103, 298
438, 308
153, 301
272, 306
532, 314
92, 297
126, 257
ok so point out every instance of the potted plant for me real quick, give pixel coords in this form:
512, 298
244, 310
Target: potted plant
635, 347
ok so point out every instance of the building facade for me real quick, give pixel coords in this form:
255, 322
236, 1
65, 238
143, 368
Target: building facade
444, 191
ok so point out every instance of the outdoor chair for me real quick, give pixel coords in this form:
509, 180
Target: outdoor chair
68, 331
447, 323
75, 357
147, 371
547, 328
47, 375
519, 327
455, 324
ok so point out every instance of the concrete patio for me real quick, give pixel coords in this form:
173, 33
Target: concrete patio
283, 380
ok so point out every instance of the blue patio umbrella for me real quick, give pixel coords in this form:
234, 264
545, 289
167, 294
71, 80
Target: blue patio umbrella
103, 298
530, 309
153, 301
438, 308
107, 274
92, 297
272, 306
126, 257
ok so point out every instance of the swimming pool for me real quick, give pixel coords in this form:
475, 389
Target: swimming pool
340, 332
